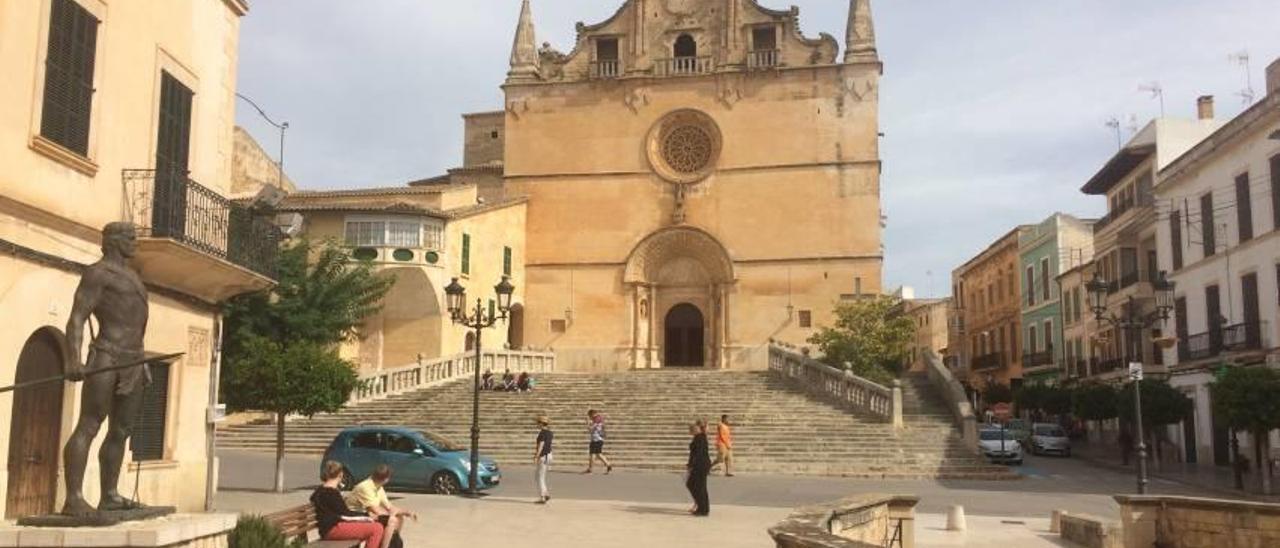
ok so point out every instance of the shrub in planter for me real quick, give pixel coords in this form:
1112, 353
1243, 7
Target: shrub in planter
256, 532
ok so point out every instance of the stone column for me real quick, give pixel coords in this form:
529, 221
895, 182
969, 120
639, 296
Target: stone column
655, 360
723, 317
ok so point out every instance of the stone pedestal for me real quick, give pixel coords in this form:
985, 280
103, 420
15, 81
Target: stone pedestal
173, 531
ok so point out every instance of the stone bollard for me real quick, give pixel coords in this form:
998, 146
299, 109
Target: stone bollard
1055, 521
955, 518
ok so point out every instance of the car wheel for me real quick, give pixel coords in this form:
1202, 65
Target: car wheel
445, 483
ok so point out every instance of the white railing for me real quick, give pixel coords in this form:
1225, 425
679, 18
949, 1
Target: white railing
608, 68
684, 66
427, 373
947, 385
843, 387
761, 59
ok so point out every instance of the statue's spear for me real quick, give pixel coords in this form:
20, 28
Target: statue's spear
92, 372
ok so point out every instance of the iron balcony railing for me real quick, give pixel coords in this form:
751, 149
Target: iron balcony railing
988, 361
174, 206
1108, 365
1036, 359
1215, 342
1120, 210
684, 66
608, 68
762, 59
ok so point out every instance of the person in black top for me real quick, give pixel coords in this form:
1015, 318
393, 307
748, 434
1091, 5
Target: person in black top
542, 458
334, 520
698, 468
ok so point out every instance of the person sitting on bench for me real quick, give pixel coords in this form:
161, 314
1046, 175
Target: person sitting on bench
337, 522
371, 497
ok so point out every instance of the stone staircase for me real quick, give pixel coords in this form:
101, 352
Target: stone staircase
780, 429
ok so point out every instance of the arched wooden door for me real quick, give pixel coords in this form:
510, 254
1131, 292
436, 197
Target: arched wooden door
685, 334
34, 429
515, 327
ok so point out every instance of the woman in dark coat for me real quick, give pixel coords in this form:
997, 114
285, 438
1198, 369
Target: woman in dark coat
698, 468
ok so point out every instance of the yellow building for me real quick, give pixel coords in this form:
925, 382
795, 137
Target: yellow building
701, 177
930, 319
112, 111
986, 292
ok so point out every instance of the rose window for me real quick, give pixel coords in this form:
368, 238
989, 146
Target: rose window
687, 149
684, 146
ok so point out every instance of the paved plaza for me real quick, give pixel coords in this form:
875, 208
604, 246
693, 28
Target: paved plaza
648, 509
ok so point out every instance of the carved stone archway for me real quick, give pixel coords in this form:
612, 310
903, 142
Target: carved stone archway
671, 267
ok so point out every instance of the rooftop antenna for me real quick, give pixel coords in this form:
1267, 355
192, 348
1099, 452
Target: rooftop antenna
1242, 58
1114, 123
1156, 92
1133, 124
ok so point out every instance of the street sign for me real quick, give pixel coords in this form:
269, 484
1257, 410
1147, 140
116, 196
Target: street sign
1135, 371
1002, 412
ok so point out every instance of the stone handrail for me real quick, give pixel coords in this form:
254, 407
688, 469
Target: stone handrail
860, 521
427, 373
1191, 522
843, 387
947, 385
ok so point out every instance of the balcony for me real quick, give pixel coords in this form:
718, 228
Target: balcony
1102, 367
684, 66
195, 241
1037, 359
763, 59
1241, 337
606, 69
988, 361
1112, 216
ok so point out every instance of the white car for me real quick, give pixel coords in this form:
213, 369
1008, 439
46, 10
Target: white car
1000, 446
1049, 438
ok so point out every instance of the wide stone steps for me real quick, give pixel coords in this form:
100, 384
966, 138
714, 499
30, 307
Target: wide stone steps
780, 429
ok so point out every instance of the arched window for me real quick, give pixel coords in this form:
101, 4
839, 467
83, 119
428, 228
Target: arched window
686, 47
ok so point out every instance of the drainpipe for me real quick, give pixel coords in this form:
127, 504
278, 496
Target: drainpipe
211, 414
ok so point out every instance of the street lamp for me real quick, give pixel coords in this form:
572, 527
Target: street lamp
282, 126
479, 319
1133, 323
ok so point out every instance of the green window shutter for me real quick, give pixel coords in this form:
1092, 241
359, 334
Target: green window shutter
506, 261
493, 309
147, 441
68, 77
466, 253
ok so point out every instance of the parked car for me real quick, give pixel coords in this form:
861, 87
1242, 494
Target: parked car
419, 460
1049, 438
1000, 446
1021, 431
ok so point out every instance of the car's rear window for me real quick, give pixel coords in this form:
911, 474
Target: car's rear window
1050, 431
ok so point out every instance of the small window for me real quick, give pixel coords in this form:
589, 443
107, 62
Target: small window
559, 326
1048, 335
404, 234
764, 38
148, 440
806, 318
1031, 285
1032, 340
607, 49
466, 253
1275, 192
857, 286
493, 134
1175, 237
433, 236
68, 77
1046, 291
1208, 227
506, 261
685, 47
1244, 208
366, 233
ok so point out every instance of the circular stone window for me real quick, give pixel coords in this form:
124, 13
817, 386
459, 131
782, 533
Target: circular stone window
684, 146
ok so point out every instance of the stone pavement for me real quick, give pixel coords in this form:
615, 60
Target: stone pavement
1216, 480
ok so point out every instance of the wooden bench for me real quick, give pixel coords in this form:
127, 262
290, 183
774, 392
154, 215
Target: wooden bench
299, 521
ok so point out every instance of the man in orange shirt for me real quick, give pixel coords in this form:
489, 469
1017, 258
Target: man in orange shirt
724, 446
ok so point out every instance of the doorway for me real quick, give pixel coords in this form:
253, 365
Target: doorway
35, 428
1189, 443
684, 337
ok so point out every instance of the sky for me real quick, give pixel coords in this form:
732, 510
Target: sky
994, 112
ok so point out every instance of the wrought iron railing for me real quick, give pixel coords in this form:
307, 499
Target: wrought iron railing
684, 66
988, 361
1108, 365
607, 68
1233, 338
174, 206
1119, 211
764, 58
1036, 359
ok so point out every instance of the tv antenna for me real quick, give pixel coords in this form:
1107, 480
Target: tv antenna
1133, 124
1242, 58
1114, 123
1156, 92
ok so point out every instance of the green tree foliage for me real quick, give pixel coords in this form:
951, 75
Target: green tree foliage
256, 532
1161, 403
870, 338
1030, 397
280, 351
1244, 398
998, 393
1057, 400
1094, 402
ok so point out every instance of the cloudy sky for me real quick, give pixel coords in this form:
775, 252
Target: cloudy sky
994, 111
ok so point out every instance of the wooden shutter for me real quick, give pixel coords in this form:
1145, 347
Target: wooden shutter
68, 76
1244, 208
466, 253
506, 261
148, 428
1175, 234
1207, 227
169, 212
1275, 191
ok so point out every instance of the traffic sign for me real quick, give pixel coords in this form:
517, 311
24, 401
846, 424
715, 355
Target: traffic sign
1002, 412
1135, 371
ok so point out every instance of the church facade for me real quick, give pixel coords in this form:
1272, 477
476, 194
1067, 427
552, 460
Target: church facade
701, 178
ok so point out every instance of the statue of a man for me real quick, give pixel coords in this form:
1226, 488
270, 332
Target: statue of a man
113, 293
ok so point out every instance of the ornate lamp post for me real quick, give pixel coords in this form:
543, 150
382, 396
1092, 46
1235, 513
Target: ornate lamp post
1133, 323
478, 320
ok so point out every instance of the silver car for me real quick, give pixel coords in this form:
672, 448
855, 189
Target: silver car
1047, 438
1000, 446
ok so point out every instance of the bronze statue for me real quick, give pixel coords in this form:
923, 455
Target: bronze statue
112, 292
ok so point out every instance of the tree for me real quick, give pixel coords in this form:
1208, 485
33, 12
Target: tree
870, 338
1057, 400
997, 393
1030, 397
1094, 402
1244, 398
1162, 405
280, 350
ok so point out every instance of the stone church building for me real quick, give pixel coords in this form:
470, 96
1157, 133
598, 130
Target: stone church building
691, 180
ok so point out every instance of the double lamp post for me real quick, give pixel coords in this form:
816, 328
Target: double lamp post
478, 319
1133, 323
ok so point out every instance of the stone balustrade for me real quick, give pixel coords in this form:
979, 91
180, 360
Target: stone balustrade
842, 387
428, 373
947, 385
1149, 521
860, 521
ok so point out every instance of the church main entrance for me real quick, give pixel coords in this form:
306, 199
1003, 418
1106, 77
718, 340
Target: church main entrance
685, 339
34, 429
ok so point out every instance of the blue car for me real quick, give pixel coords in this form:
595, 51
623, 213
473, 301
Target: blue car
418, 460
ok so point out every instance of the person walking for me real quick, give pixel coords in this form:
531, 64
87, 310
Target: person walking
698, 467
542, 457
724, 446
334, 520
595, 433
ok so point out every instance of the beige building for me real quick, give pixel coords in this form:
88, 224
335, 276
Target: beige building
986, 292
930, 319
1079, 346
701, 177
118, 111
